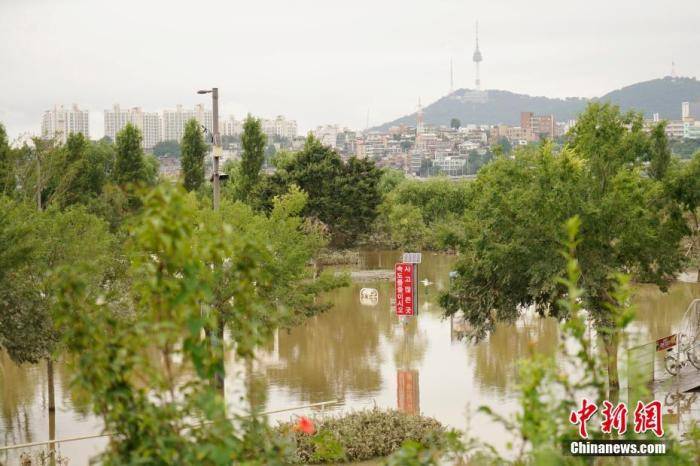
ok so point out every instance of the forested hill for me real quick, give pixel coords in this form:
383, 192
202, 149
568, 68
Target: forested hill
495, 106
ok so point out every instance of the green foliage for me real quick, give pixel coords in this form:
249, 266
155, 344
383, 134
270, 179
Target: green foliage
425, 213
685, 148
512, 232
549, 388
343, 196
193, 151
512, 229
659, 152
7, 176
167, 148
253, 141
156, 415
455, 123
390, 179
130, 166
363, 435
81, 170
683, 183
505, 144
51, 239
292, 242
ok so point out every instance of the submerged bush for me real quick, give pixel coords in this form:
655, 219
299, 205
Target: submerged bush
364, 435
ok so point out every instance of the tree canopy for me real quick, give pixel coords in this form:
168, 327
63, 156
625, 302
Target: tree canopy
130, 166
193, 152
253, 141
512, 234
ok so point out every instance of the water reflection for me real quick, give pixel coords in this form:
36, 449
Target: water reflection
363, 355
335, 353
496, 359
408, 391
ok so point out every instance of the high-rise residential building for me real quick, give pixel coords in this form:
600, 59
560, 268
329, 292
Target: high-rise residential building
174, 121
675, 129
327, 134
690, 111
279, 127
149, 124
230, 126
685, 111
59, 122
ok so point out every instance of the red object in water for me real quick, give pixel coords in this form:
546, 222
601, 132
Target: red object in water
305, 425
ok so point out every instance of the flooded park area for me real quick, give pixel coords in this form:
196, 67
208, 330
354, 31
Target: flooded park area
360, 355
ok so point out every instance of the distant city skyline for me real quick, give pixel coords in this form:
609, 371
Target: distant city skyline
375, 57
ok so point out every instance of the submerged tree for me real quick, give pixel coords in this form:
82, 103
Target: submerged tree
684, 185
49, 240
629, 225
154, 414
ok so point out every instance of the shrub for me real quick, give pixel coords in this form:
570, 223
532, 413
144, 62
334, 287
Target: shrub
364, 435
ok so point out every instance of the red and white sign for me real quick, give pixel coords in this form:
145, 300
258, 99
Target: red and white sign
667, 342
404, 289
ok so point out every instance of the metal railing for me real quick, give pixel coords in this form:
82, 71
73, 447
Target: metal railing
322, 405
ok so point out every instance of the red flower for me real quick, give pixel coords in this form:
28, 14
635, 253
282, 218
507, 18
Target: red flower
305, 425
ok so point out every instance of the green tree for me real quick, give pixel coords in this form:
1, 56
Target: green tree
81, 170
51, 239
344, 196
659, 152
130, 166
512, 231
7, 174
193, 151
390, 179
547, 396
425, 213
505, 144
253, 141
684, 185
455, 123
164, 410
293, 243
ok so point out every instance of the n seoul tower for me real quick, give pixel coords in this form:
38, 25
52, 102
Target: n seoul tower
476, 58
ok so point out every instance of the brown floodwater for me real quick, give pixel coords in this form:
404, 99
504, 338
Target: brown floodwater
360, 354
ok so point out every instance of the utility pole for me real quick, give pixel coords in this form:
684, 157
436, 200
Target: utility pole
216, 142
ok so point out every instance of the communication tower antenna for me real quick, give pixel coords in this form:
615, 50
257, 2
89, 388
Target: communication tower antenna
477, 58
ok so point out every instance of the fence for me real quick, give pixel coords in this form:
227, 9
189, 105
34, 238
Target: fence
322, 405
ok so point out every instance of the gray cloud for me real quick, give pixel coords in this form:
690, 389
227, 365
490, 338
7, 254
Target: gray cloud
326, 61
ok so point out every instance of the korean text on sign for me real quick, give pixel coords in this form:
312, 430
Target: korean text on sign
404, 289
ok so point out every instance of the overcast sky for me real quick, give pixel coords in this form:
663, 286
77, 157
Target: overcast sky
323, 62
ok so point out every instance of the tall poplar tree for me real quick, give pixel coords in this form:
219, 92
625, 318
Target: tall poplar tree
193, 151
253, 141
130, 166
7, 181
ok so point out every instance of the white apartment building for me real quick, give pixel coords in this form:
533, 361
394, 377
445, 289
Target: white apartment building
59, 122
280, 127
674, 129
328, 134
230, 126
174, 121
149, 124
